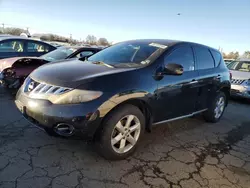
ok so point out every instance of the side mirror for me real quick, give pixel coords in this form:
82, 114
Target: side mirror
84, 58
173, 69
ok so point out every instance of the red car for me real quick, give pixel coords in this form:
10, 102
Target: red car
13, 71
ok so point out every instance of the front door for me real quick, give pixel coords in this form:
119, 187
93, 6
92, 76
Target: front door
11, 48
177, 94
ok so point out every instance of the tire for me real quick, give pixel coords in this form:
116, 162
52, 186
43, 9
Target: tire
210, 115
119, 117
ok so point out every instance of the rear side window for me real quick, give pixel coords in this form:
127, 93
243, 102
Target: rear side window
183, 56
37, 47
204, 58
11, 46
217, 57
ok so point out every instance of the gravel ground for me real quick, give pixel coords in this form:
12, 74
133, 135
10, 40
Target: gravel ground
189, 153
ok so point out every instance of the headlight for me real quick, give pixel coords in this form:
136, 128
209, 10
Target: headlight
75, 96
57, 94
62, 95
246, 83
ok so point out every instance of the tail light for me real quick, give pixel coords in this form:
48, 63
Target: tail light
231, 76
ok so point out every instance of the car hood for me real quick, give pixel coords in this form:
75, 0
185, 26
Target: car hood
240, 75
8, 62
72, 73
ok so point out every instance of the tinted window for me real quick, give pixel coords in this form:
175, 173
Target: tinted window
217, 57
37, 47
183, 56
11, 46
204, 58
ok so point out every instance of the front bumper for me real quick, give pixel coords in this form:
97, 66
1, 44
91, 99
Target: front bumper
240, 91
83, 117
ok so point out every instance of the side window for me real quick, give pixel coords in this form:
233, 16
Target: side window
36, 47
231, 65
217, 57
84, 54
11, 46
204, 58
183, 56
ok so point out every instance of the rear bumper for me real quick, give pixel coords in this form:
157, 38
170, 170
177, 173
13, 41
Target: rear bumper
45, 115
240, 91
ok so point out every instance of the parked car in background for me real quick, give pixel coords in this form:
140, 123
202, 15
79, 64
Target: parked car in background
227, 61
240, 83
125, 89
17, 46
13, 71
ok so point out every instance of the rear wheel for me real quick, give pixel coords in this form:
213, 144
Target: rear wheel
121, 132
216, 109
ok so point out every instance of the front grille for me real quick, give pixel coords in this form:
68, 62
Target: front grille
237, 81
34, 87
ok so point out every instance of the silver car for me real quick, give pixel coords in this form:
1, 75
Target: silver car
240, 83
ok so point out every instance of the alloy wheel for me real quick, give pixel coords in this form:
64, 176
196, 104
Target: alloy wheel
125, 134
219, 108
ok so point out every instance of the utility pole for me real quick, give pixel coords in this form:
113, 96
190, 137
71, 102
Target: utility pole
3, 27
27, 30
70, 38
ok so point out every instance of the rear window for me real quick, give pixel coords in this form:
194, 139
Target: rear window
217, 57
204, 58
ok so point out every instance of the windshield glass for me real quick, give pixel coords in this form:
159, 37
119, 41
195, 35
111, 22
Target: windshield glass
58, 54
240, 66
127, 54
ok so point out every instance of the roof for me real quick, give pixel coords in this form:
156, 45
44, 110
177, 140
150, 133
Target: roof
4, 37
244, 59
160, 41
168, 42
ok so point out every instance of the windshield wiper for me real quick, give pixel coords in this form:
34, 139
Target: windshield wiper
102, 63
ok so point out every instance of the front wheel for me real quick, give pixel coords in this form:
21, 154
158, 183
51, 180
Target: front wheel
121, 132
216, 109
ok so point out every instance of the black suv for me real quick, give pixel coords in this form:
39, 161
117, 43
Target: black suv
116, 94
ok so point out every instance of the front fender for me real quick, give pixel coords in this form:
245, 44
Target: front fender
117, 99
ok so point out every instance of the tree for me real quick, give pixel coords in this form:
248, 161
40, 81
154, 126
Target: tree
246, 54
103, 42
231, 55
91, 39
14, 31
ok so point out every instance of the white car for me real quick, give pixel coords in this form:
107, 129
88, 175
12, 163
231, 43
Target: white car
240, 83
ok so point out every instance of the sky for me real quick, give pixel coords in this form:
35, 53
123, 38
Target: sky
216, 23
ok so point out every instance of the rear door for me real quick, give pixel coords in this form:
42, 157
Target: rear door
209, 76
11, 48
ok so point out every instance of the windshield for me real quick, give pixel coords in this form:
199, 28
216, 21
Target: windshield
243, 66
58, 54
127, 54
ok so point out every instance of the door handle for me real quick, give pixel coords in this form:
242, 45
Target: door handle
193, 82
217, 77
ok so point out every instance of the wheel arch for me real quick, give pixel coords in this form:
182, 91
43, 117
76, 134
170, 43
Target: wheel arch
111, 105
226, 91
